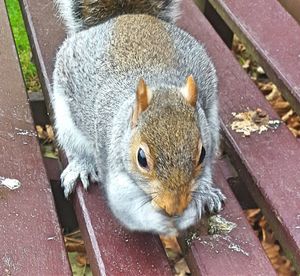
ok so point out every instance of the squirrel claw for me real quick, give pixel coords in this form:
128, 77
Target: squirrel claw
214, 201
68, 179
84, 180
72, 172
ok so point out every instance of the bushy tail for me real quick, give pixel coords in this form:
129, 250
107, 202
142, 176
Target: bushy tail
82, 14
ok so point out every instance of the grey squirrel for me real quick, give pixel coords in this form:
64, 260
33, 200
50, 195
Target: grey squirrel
135, 107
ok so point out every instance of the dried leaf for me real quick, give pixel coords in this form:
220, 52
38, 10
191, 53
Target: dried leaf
269, 89
82, 260
181, 268
250, 213
260, 70
280, 263
40, 132
50, 133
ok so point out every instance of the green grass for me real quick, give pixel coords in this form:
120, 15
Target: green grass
23, 47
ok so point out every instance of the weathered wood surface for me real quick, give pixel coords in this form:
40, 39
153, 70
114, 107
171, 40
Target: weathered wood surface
30, 237
269, 162
272, 36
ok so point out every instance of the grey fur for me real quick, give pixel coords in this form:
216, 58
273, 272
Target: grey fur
93, 97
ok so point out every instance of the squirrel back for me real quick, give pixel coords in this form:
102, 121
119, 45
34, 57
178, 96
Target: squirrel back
83, 14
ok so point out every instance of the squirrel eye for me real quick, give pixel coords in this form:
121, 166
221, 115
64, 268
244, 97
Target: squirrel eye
142, 159
202, 156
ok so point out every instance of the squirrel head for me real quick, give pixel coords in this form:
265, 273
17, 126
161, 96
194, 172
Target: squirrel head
166, 148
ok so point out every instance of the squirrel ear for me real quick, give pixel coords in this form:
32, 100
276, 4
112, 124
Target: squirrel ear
143, 98
189, 92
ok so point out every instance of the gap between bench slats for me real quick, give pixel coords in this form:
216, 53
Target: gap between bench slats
273, 38
30, 236
293, 7
268, 161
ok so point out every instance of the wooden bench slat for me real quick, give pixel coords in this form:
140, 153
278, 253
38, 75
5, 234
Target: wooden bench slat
30, 236
236, 253
45, 33
268, 163
274, 39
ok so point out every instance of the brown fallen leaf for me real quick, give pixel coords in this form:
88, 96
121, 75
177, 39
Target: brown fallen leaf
50, 133
40, 132
273, 250
181, 268
82, 260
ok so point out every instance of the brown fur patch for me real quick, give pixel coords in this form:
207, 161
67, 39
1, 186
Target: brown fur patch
142, 96
140, 41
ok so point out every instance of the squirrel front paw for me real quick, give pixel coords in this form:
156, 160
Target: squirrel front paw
75, 170
213, 199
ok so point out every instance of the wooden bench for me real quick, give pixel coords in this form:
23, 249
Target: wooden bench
268, 172
30, 236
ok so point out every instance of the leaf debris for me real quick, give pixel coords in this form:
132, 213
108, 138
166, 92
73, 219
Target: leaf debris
219, 225
253, 121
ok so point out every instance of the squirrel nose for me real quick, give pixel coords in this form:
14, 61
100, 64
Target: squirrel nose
173, 205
